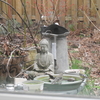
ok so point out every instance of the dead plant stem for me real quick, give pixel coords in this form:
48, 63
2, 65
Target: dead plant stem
9, 62
95, 8
22, 20
24, 70
90, 21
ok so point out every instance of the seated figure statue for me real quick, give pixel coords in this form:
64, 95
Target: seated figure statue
44, 62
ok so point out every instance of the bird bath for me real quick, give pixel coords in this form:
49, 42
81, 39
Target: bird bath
67, 83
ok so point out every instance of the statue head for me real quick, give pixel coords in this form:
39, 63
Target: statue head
44, 45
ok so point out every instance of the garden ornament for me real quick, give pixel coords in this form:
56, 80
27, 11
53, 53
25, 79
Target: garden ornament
56, 36
44, 62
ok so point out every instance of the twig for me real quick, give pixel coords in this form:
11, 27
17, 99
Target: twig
22, 20
24, 70
95, 8
90, 21
55, 10
25, 12
70, 57
8, 66
9, 62
40, 18
12, 25
8, 35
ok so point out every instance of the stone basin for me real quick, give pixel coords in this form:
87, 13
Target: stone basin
65, 85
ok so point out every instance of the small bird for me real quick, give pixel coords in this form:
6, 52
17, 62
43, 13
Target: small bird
58, 79
57, 22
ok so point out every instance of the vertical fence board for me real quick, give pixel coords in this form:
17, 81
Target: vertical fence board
98, 13
19, 9
37, 14
33, 8
68, 18
80, 6
87, 11
49, 10
45, 8
9, 9
68, 7
58, 9
1, 7
93, 12
74, 13
93, 5
62, 5
14, 5
28, 8
4, 8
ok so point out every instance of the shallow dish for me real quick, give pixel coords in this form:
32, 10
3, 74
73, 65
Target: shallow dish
65, 85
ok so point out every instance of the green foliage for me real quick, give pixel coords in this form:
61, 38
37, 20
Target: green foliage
31, 22
82, 35
2, 30
73, 51
71, 27
12, 25
98, 87
89, 87
76, 64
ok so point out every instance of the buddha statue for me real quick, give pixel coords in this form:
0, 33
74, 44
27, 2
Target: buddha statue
44, 62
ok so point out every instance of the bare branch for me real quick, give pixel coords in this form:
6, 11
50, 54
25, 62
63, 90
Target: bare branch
22, 20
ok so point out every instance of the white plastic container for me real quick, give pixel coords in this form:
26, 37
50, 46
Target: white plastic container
33, 85
10, 87
19, 80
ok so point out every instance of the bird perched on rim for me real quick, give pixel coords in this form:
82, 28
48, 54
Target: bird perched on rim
58, 79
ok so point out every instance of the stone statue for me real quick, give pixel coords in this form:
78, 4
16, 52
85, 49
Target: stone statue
44, 63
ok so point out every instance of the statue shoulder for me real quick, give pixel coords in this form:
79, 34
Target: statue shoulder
50, 54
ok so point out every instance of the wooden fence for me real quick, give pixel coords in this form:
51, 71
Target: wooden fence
80, 13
